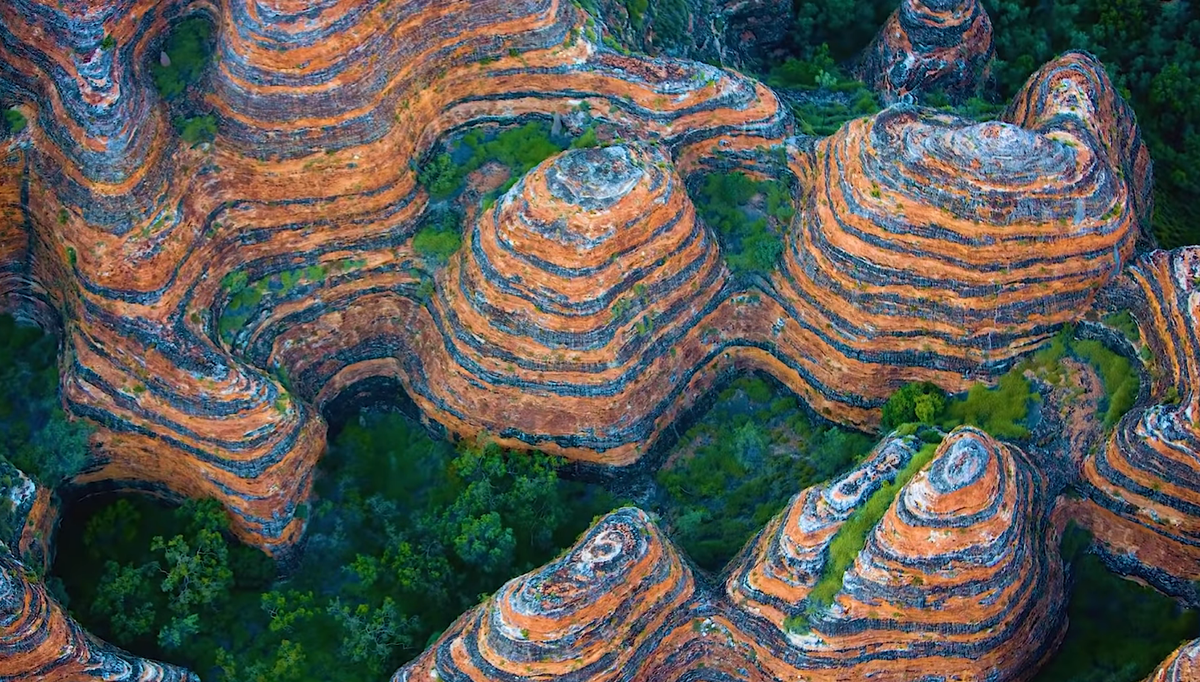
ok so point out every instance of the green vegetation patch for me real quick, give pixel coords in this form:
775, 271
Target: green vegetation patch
740, 464
1118, 376
405, 533
750, 217
1123, 322
518, 149
246, 296
1119, 630
35, 434
441, 238
197, 129
852, 536
189, 48
1001, 411
12, 122
826, 96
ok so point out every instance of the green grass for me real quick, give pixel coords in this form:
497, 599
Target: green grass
1123, 322
198, 129
189, 47
852, 536
747, 456
749, 217
1001, 411
13, 121
1118, 375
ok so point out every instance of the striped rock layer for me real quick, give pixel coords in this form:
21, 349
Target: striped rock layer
1183, 665
961, 578
962, 260
929, 45
1143, 485
928, 241
38, 642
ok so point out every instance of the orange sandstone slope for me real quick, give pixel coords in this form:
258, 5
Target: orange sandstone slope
1143, 485
961, 577
144, 244
1181, 666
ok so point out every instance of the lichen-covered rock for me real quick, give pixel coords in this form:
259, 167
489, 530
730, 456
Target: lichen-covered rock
931, 45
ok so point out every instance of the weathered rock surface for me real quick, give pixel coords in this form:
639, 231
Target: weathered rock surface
38, 642
586, 309
1143, 485
960, 577
1181, 666
929, 45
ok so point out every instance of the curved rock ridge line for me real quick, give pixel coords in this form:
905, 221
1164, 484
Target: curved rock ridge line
963, 567
936, 243
589, 615
960, 577
39, 642
1072, 99
785, 563
1183, 665
182, 408
1144, 483
929, 45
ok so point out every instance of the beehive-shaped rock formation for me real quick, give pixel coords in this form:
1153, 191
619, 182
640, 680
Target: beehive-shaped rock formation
562, 307
1145, 481
961, 577
936, 243
929, 45
961, 573
787, 560
39, 643
591, 615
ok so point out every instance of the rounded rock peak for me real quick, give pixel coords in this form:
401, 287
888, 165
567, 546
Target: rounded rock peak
1004, 153
965, 478
595, 178
600, 564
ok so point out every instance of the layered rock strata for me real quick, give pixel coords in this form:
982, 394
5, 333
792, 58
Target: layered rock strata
1143, 485
1183, 665
786, 562
931, 45
928, 241
38, 642
960, 577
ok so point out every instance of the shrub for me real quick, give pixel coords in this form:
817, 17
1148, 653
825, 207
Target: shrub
921, 402
852, 536
1000, 411
14, 121
198, 129
750, 235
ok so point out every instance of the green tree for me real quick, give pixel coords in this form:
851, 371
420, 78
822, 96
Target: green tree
125, 601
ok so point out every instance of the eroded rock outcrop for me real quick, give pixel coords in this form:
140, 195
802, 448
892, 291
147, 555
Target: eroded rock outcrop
931, 45
960, 577
1181, 666
39, 642
1143, 485
933, 242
